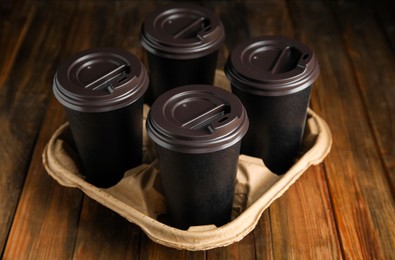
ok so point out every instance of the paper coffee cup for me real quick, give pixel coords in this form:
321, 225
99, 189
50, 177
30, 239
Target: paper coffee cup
102, 93
273, 77
197, 131
182, 43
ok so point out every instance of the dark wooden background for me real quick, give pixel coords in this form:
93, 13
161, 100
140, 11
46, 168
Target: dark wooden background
342, 208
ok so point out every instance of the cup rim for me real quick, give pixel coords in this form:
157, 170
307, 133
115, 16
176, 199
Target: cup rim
224, 124
100, 90
157, 39
247, 73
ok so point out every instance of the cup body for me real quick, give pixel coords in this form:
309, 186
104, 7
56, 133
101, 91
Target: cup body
276, 127
182, 43
199, 188
102, 92
197, 131
108, 143
273, 77
167, 73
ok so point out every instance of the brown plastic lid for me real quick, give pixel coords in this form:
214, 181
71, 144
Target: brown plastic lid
197, 119
182, 32
272, 66
100, 80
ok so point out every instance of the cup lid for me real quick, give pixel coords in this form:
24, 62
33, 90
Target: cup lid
182, 32
197, 119
100, 80
272, 66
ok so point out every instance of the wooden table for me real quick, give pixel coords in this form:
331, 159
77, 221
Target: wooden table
342, 208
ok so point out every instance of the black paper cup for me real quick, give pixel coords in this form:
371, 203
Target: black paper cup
102, 93
197, 131
182, 43
273, 77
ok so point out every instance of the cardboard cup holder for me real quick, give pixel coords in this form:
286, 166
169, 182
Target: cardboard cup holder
138, 196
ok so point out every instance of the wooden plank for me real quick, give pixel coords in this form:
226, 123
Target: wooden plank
16, 17
360, 193
23, 99
301, 223
244, 249
45, 222
270, 17
263, 237
12, 33
233, 17
103, 234
47, 218
384, 12
362, 35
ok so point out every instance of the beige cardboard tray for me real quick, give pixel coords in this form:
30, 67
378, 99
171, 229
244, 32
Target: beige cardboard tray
138, 197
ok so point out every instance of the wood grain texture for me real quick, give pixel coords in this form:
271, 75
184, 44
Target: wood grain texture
83, 23
12, 33
384, 14
296, 228
45, 223
360, 193
343, 208
263, 237
103, 234
23, 99
16, 19
376, 84
244, 249
268, 18
375, 79
234, 18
